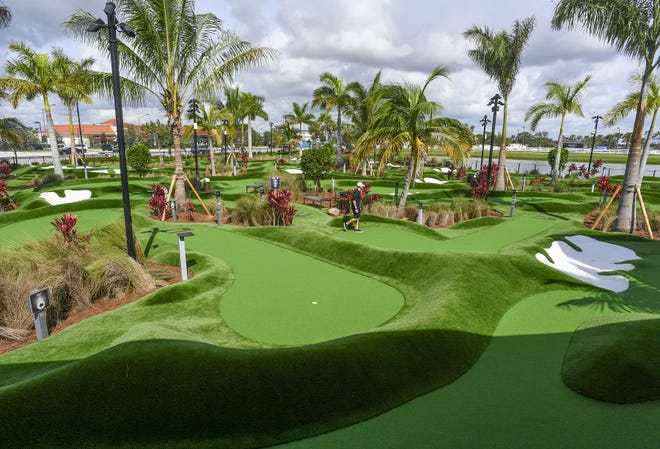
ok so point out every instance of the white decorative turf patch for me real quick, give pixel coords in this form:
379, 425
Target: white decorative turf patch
70, 196
294, 171
594, 257
433, 181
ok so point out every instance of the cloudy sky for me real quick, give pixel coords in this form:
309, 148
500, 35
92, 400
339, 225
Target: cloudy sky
353, 39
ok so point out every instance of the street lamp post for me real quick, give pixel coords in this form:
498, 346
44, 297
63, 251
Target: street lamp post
112, 25
225, 144
484, 121
593, 141
194, 108
41, 139
496, 103
271, 138
82, 143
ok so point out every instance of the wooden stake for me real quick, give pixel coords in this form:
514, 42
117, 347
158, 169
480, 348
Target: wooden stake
197, 195
646, 217
609, 203
169, 195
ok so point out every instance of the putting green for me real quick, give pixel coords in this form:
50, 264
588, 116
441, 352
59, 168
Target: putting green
282, 297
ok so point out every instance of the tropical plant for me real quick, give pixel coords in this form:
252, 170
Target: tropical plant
562, 100
498, 54
209, 118
333, 94
279, 203
479, 185
68, 232
33, 74
139, 158
158, 202
632, 26
362, 111
407, 120
299, 116
12, 131
317, 162
253, 106
177, 55
629, 104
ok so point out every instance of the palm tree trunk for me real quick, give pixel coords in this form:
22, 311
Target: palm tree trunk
211, 153
57, 164
300, 155
180, 185
500, 182
72, 135
250, 137
560, 144
407, 182
625, 212
647, 148
339, 140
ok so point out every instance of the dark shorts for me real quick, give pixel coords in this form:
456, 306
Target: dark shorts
356, 214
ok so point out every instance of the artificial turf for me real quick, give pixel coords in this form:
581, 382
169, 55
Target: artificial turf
186, 367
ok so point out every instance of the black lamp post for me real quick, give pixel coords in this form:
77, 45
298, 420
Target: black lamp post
495, 103
41, 139
271, 138
116, 91
484, 121
194, 108
225, 145
593, 141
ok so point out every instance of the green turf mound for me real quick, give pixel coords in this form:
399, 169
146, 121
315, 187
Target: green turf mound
478, 223
615, 359
166, 392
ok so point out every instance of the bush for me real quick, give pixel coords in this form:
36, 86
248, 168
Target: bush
282, 213
478, 185
563, 158
316, 162
139, 158
250, 210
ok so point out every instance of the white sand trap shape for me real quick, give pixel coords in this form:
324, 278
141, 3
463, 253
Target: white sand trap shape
433, 181
594, 258
70, 196
294, 171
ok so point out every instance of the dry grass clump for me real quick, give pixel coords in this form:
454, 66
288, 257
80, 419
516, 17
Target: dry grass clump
250, 210
435, 215
75, 276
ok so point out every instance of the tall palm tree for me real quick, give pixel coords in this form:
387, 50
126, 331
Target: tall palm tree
33, 74
210, 119
498, 54
632, 26
362, 111
12, 131
629, 104
408, 120
253, 106
563, 100
5, 16
333, 94
177, 55
80, 73
299, 116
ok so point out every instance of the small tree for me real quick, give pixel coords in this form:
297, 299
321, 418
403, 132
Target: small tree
316, 162
139, 157
562, 161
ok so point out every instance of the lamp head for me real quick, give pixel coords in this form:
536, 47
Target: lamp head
96, 25
126, 30
109, 8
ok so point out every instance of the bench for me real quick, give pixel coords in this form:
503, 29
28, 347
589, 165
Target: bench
316, 199
255, 187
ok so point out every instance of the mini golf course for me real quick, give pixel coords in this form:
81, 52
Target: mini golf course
308, 336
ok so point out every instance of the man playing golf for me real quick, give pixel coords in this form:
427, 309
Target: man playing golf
355, 206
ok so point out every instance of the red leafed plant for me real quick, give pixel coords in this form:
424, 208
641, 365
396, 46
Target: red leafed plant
605, 185
279, 204
478, 187
158, 202
68, 232
6, 203
5, 169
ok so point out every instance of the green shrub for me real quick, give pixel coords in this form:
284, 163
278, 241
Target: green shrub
250, 210
139, 158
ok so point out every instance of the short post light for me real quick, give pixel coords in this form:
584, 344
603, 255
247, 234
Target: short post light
218, 205
513, 202
39, 301
182, 253
194, 109
172, 205
271, 138
595, 118
524, 181
420, 213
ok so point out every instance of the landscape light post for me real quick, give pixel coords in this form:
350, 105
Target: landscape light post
484, 121
112, 25
593, 141
496, 103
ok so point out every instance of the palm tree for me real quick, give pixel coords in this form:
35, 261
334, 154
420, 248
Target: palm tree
629, 104
362, 111
332, 94
5, 16
80, 73
299, 116
34, 74
253, 105
176, 56
407, 120
326, 125
563, 100
499, 56
209, 119
12, 131
631, 26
